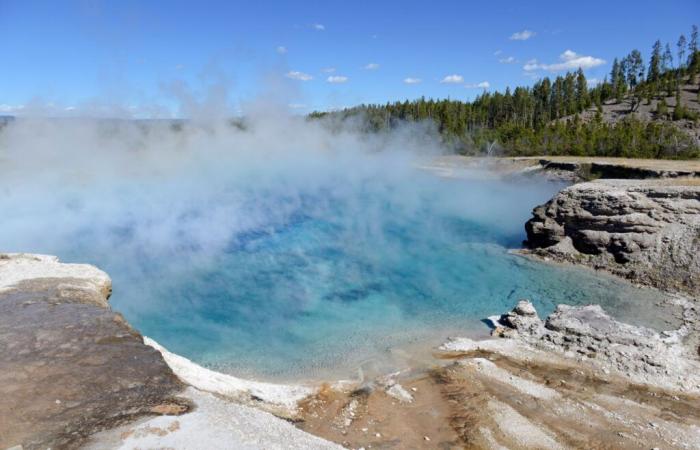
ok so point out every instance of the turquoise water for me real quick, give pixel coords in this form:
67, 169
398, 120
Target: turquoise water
285, 274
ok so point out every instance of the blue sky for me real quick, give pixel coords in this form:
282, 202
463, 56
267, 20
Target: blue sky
143, 55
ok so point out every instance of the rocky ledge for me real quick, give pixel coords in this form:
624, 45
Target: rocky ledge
68, 364
74, 373
587, 168
577, 379
645, 230
667, 359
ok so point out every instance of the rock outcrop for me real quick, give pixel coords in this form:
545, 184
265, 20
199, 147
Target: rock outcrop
647, 231
667, 359
74, 373
70, 366
584, 169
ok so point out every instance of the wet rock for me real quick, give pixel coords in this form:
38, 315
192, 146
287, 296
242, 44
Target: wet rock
69, 366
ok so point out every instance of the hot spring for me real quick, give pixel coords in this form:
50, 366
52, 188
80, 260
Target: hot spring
284, 252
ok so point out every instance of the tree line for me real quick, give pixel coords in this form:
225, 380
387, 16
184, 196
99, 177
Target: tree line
546, 118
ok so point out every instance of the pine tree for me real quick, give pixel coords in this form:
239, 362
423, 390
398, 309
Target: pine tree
557, 97
693, 59
570, 93
667, 59
655, 63
618, 80
678, 110
634, 68
524, 121
582, 98
681, 50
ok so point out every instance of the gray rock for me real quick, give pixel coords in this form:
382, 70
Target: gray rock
587, 331
645, 230
523, 318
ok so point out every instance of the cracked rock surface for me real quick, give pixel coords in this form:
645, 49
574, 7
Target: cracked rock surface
589, 334
645, 230
68, 364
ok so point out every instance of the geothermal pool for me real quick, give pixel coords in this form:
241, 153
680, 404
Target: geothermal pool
302, 267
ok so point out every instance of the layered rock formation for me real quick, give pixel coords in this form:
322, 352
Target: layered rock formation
668, 359
648, 231
587, 168
578, 379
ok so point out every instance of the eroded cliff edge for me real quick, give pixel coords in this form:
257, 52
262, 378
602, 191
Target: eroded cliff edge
68, 364
74, 373
645, 230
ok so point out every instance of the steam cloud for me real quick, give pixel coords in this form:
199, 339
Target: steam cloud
156, 202
197, 182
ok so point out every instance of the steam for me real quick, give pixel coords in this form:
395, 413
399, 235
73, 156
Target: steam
69, 182
168, 207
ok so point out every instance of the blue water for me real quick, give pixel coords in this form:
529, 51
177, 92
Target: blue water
298, 274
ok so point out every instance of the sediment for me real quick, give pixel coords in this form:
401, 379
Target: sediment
577, 379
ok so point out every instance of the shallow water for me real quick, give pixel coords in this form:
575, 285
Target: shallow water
283, 274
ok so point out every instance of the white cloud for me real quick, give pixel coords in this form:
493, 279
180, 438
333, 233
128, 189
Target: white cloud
296, 75
453, 79
297, 105
522, 35
318, 27
371, 66
593, 81
531, 65
497, 52
482, 85
328, 70
5, 108
569, 60
508, 60
336, 79
410, 80
281, 49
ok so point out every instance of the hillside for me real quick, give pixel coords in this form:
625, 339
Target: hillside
641, 110
612, 112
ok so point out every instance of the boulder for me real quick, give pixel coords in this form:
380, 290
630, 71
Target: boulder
523, 318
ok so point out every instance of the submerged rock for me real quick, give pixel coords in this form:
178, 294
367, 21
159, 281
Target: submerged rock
645, 230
